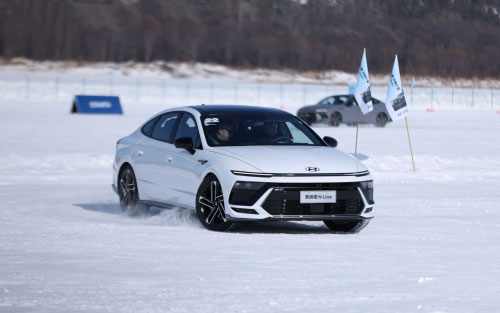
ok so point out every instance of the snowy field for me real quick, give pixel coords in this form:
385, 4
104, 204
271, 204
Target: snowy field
192, 84
65, 246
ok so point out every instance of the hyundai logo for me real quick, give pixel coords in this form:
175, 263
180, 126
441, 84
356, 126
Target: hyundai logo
312, 169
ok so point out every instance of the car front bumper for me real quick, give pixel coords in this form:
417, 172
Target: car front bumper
279, 199
312, 117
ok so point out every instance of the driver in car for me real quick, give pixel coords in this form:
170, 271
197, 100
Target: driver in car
271, 129
224, 133
268, 133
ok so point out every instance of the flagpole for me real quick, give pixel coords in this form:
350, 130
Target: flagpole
409, 141
357, 128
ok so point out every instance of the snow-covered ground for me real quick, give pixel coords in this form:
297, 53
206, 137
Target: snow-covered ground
65, 246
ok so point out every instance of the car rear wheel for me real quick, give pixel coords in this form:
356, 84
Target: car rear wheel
335, 119
347, 226
129, 196
210, 205
381, 120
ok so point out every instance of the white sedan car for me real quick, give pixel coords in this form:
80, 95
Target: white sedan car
241, 163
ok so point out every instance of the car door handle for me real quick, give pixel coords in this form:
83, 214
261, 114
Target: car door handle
139, 153
169, 159
201, 161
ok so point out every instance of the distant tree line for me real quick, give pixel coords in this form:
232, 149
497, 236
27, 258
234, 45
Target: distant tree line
452, 38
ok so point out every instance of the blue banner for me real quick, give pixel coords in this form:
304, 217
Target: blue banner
352, 87
97, 105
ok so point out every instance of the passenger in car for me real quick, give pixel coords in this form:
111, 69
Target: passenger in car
224, 133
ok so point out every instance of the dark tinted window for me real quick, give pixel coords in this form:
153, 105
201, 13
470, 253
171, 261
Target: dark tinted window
148, 128
257, 129
187, 128
334, 100
163, 129
374, 101
340, 100
327, 101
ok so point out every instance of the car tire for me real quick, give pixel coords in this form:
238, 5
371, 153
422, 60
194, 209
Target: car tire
348, 226
210, 205
128, 193
335, 119
381, 120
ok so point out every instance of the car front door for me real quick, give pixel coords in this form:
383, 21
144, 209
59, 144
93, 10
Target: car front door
187, 167
151, 158
350, 113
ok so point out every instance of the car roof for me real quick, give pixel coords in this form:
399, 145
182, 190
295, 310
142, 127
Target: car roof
349, 96
233, 109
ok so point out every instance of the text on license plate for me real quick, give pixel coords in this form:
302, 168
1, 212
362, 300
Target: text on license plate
321, 196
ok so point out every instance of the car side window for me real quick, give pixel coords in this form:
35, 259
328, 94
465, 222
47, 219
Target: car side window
187, 128
148, 128
339, 100
163, 128
327, 101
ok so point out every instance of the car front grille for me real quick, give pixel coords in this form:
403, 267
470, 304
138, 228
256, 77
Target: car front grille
308, 117
314, 117
285, 200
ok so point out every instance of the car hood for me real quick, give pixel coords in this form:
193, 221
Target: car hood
310, 109
294, 159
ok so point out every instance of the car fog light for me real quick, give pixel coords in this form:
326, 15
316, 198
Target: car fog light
244, 211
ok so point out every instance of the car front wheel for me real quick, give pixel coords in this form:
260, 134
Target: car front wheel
381, 120
210, 205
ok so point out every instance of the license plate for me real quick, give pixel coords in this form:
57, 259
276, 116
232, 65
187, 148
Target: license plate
321, 196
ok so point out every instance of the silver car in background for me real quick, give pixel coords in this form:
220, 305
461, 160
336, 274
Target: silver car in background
343, 109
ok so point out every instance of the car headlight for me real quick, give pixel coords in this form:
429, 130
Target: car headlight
246, 192
368, 187
248, 185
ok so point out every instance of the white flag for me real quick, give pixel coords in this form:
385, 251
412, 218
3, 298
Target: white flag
395, 101
362, 93
412, 82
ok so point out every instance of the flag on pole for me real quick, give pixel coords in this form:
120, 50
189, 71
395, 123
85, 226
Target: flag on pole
395, 101
412, 82
362, 93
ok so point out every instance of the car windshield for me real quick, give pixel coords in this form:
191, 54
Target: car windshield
259, 129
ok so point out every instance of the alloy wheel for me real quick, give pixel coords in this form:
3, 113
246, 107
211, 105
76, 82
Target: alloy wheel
128, 190
381, 120
335, 119
210, 206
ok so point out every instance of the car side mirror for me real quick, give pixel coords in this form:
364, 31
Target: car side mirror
330, 141
185, 143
